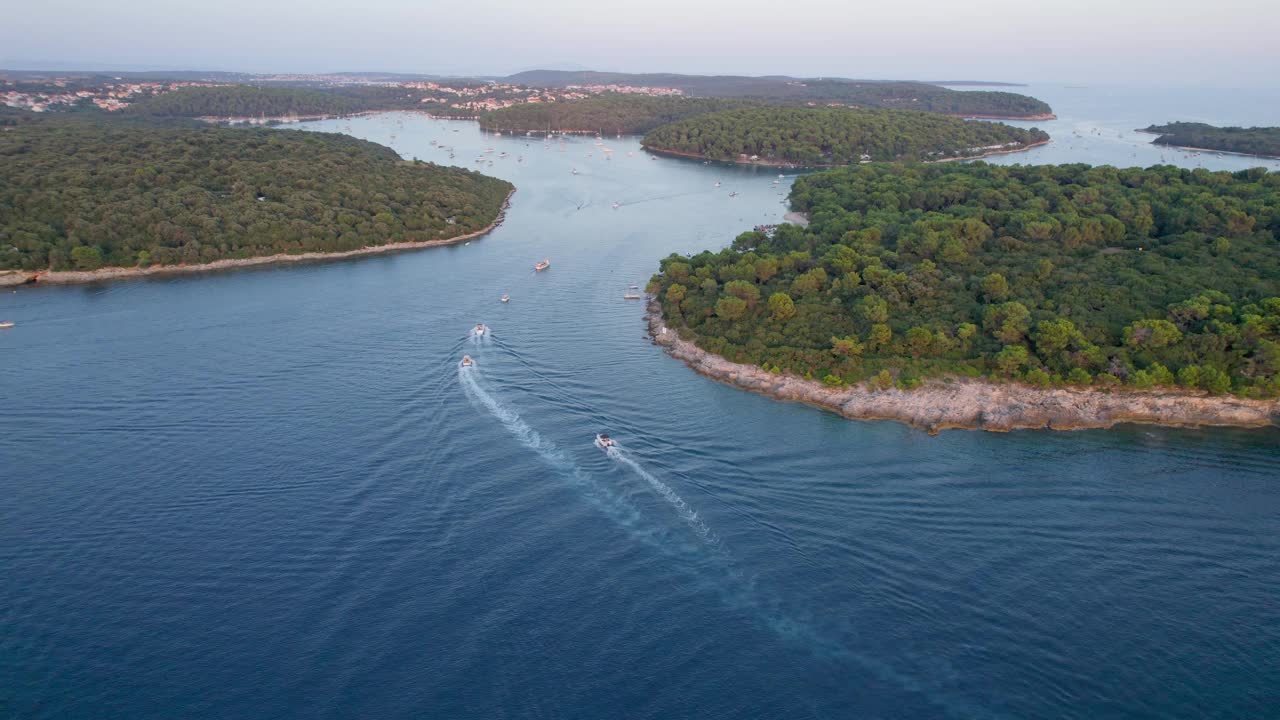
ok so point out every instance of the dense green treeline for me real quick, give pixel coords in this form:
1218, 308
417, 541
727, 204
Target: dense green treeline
612, 114
245, 101
82, 193
1064, 274
1250, 141
835, 136
864, 93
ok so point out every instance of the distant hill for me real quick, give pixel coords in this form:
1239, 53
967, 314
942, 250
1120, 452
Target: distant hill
863, 93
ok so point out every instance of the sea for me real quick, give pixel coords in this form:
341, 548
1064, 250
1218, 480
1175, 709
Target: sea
274, 492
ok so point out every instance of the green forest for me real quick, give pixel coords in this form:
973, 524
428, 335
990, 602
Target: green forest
1263, 141
81, 193
780, 89
245, 101
1049, 275
835, 136
612, 114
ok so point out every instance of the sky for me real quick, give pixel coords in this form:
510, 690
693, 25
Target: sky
1230, 42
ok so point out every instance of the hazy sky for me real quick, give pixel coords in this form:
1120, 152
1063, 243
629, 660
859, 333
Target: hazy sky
1224, 41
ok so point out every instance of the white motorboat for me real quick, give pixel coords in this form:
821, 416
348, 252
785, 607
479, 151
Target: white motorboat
467, 361
480, 329
506, 298
604, 442
542, 264
6, 324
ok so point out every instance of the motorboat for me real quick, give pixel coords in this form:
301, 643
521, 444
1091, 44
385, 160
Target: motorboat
6, 324
733, 194
616, 206
604, 442
717, 183
467, 361
542, 264
631, 296
506, 298
480, 329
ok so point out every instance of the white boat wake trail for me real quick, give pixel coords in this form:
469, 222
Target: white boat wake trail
518, 427
734, 588
689, 514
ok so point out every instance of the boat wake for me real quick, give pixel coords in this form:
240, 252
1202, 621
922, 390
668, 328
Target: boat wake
671, 496
722, 574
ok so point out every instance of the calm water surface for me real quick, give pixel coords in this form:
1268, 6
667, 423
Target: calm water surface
273, 493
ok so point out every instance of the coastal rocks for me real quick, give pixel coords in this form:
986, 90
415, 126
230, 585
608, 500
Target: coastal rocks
977, 404
14, 278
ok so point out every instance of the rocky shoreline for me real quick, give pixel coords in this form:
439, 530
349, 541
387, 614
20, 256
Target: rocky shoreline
976, 404
66, 277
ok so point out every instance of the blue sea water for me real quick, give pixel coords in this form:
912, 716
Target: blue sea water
274, 493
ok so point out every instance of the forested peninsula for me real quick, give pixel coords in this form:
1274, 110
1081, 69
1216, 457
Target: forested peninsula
818, 137
1115, 294
611, 114
81, 193
1260, 141
921, 96
245, 101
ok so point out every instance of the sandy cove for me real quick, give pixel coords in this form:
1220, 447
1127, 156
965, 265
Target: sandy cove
64, 277
976, 404
801, 166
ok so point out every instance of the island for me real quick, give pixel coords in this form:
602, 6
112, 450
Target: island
1257, 141
86, 197
972, 295
825, 137
611, 114
927, 97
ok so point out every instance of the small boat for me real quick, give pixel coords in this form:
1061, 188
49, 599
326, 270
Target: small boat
6, 324
631, 296
604, 442
574, 171
717, 183
506, 298
616, 206
633, 287
733, 193
481, 329
467, 361
542, 264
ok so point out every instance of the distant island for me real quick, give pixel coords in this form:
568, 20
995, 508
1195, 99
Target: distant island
823, 137
611, 114
782, 89
84, 194
272, 97
1109, 294
1259, 141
